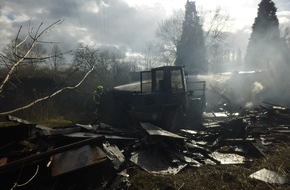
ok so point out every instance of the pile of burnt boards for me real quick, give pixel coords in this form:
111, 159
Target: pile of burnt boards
78, 156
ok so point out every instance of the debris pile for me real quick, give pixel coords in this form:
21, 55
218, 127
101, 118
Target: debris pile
98, 156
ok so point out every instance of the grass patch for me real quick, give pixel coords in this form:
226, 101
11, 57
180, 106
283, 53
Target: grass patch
8, 124
225, 177
55, 122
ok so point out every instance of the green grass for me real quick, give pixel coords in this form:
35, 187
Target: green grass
8, 124
55, 122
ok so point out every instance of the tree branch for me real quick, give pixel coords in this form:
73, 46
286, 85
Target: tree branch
22, 58
14, 67
49, 96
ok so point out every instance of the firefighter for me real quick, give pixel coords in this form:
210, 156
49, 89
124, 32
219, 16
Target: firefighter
97, 98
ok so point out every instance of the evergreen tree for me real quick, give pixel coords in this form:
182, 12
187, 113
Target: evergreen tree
265, 45
191, 50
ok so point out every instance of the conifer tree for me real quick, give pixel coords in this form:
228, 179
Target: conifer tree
265, 45
191, 50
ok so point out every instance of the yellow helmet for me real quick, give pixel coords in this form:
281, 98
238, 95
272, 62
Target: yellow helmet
99, 88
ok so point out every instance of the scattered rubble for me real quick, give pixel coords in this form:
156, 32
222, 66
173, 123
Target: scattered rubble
98, 156
269, 176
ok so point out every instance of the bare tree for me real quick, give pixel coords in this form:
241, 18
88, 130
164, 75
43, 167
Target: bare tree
34, 60
110, 67
57, 60
85, 57
21, 57
169, 32
213, 22
152, 55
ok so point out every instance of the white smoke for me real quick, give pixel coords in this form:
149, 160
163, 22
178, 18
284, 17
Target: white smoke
257, 87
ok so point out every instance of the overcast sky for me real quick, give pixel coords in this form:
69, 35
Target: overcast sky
123, 22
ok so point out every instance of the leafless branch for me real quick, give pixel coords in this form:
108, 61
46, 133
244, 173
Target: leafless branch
45, 42
49, 96
4, 58
22, 58
15, 66
48, 28
20, 43
38, 58
35, 36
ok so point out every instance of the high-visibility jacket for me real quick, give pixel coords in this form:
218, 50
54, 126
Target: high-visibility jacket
97, 94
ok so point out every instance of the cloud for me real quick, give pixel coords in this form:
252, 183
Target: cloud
120, 22
90, 21
284, 18
11, 16
282, 5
